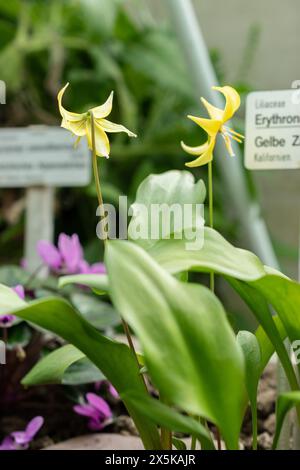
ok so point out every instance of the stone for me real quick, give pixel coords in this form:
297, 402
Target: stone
101, 441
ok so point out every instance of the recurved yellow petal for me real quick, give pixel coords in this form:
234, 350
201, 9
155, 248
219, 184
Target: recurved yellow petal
211, 126
195, 150
101, 140
213, 111
205, 158
77, 127
67, 115
108, 126
233, 101
104, 109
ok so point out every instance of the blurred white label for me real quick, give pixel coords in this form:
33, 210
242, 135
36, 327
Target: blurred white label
272, 130
42, 156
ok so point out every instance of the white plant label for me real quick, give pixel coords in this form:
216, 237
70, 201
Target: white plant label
42, 156
273, 130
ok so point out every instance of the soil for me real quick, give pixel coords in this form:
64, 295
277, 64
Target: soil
54, 403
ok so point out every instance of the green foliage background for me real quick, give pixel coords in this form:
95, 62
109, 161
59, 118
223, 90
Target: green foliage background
97, 46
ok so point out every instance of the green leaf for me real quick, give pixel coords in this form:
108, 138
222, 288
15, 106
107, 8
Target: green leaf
252, 355
190, 350
216, 255
260, 308
285, 403
261, 285
98, 282
100, 314
171, 419
172, 188
9, 300
114, 360
19, 336
82, 372
66, 365
51, 369
266, 347
178, 443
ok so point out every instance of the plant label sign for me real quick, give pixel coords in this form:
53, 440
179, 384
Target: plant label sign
273, 130
42, 156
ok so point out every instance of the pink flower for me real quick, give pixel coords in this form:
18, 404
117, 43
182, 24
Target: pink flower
113, 391
71, 252
7, 320
96, 409
96, 268
67, 257
20, 440
19, 289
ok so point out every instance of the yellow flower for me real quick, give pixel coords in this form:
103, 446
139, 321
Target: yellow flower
215, 125
80, 124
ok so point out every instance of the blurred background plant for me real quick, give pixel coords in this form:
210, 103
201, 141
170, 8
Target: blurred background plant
99, 46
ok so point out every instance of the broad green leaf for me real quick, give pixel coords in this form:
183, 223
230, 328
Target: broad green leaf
51, 369
252, 355
66, 365
97, 282
115, 360
172, 189
260, 286
284, 295
260, 308
9, 300
82, 372
100, 314
266, 347
216, 255
285, 402
190, 350
19, 336
171, 419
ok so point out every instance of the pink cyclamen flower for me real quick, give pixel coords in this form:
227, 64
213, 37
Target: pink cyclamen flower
19, 289
20, 440
96, 268
7, 320
96, 409
67, 257
113, 391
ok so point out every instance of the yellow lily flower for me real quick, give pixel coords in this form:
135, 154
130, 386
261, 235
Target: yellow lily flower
214, 126
80, 124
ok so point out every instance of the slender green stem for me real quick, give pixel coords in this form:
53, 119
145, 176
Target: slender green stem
211, 215
105, 234
211, 224
33, 275
193, 443
210, 195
